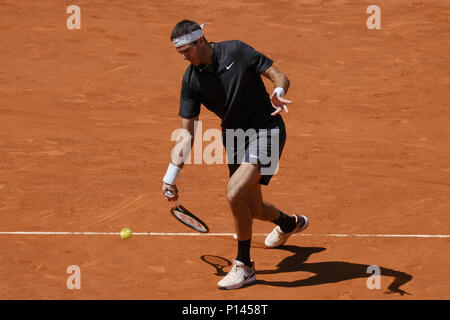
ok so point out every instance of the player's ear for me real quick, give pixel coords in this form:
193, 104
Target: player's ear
201, 41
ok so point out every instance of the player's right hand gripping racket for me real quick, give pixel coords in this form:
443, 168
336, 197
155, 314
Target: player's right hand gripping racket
186, 217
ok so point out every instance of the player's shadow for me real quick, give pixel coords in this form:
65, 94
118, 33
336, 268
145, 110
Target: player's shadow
327, 272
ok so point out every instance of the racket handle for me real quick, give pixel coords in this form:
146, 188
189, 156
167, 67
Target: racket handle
170, 194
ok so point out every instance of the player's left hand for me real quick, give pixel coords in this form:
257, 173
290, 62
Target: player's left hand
279, 103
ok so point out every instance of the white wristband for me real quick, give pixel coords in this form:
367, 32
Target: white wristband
171, 174
280, 91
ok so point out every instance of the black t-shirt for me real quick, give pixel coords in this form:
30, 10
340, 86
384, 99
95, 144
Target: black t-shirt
231, 87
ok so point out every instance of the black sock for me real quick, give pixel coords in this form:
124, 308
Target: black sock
286, 223
243, 254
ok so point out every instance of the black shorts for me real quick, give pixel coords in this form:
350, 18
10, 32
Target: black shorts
261, 146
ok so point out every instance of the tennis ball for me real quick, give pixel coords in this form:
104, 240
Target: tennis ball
125, 233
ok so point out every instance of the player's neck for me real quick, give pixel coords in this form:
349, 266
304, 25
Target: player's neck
209, 52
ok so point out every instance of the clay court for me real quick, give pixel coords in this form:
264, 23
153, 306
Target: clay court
85, 123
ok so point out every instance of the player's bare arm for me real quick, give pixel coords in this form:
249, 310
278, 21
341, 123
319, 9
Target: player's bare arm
180, 152
281, 84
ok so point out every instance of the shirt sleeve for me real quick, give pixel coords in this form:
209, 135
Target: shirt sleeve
189, 101
258, 61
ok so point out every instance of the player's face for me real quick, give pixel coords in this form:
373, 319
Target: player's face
192, 53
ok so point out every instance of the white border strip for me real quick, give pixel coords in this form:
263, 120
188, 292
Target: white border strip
222, 234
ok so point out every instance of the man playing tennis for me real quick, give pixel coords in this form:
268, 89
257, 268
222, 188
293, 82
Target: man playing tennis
226, 78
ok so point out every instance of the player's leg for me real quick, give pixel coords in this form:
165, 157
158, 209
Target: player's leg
270, 145
287, 225
245, 200
262, 210
265, 211
239, 189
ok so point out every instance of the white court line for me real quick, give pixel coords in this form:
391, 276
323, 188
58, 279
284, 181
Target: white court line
223, 234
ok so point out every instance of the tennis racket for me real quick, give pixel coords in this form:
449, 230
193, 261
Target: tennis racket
186, 217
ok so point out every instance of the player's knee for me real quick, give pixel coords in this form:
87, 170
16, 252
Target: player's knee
235, 195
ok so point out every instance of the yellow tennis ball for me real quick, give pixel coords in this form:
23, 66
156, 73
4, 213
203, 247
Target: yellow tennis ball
125, 233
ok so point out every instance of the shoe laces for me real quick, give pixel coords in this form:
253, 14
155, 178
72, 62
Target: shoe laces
234, 272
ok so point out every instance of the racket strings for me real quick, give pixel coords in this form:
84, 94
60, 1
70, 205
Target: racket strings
186, 217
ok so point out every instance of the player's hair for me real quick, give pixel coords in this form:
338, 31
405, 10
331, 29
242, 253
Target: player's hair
184, 27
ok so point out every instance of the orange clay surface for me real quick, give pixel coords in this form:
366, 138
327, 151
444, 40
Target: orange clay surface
85, 123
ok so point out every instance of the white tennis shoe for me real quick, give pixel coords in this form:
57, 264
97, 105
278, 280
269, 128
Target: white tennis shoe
238, 276
277, 237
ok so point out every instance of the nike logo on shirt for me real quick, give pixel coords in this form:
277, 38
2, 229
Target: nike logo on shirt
228, 67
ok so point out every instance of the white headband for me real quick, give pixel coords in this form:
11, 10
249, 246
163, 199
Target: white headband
188, 38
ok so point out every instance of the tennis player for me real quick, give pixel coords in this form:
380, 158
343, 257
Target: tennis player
226, 78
